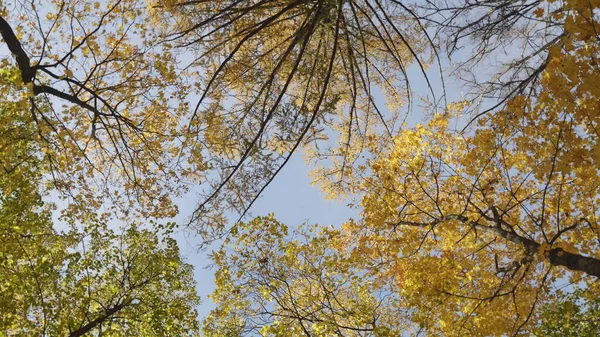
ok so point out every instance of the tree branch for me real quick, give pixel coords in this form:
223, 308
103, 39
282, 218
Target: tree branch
588, 265
556, 256
27, 72
99, 320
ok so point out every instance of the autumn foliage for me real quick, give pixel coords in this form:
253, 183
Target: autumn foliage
479, 211
469, 225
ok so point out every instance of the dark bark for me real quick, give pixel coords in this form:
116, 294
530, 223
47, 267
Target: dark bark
588, 265
27, 72
99, 320
556, 256
28, 76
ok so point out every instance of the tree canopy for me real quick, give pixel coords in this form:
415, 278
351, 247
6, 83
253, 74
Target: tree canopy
472, 221
79, 277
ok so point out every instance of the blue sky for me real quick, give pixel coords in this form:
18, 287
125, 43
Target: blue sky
293, 200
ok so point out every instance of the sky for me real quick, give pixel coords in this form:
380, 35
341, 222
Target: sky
290, 197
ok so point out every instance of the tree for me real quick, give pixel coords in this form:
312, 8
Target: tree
105, 101
273, 282
97, 91
466, 229
99, 283
472, 227
85, 278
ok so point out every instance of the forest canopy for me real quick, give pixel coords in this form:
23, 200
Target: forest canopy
465, 133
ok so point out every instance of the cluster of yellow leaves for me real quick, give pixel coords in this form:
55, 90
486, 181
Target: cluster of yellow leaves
279, 283
100, 126
118, 139
457, 226
530, 169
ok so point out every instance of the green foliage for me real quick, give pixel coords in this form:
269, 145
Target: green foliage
575, 314
117, 284
81, 277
